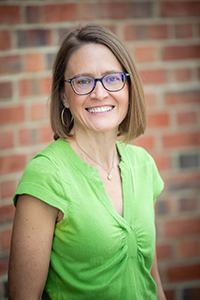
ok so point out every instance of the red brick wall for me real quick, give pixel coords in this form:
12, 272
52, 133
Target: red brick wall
163, 39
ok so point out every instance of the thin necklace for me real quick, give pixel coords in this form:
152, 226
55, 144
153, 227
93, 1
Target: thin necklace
109, 176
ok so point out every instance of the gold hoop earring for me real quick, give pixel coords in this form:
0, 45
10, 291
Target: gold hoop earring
62, 118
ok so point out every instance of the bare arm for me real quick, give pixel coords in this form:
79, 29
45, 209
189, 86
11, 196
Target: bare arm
156, 277
33, 231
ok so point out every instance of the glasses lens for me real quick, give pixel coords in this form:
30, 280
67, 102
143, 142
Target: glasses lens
114, 81
83, 84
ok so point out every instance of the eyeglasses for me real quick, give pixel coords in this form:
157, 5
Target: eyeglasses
83, 85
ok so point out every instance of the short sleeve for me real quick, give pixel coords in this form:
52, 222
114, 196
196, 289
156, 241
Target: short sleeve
158, 183
41, 179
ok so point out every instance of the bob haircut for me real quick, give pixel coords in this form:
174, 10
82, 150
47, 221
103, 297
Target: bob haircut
134, 123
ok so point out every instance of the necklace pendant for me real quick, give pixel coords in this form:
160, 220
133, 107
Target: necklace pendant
109, 177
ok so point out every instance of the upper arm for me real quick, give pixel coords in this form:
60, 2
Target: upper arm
33, 231
156, 277
154, 270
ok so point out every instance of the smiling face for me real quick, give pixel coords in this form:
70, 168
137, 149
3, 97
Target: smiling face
99, 111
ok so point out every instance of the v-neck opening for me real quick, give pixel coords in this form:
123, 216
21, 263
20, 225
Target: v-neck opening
93, 174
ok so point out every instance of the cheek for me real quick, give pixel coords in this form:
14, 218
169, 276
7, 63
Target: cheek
125, 98
68, 96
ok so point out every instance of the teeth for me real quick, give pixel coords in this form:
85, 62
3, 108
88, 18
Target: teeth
100, 109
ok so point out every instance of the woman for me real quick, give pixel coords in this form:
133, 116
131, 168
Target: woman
84, 222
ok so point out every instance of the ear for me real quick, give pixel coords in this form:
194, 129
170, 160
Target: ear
65, 101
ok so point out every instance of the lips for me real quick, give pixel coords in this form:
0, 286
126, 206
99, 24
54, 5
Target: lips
101, 109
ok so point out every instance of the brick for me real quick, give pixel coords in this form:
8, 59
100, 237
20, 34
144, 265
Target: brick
1, 291
37, 111
163, 162
6, 90
183, 181
150, 99
172, 98
28, 137
10, 14
176, 140
161, 208
111, 27
153, 76
45, 134
34, 86
189, 248
141, 32
198, 70
183, 75
189, 161
7, 213
179, 8
147, 142
45, 85
6, 239
145, 32
8, 189
60, 12
187, 204
181, 52
3, 265
5, 285
129, 32
6, 140
29, 87
11, 115
159, 119
24, 87
192, 293
186, 118
32, 14
5, 40
145, 54
182, 227
170, 294
49, 60
158, 31
10, 64
114, 10
183, 30
34, 38
183, 273
33, 62
62, 32
12, 163
87, 10
141, 10
163, 251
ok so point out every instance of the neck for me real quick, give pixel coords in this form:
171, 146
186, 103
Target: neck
109, 176
98, 149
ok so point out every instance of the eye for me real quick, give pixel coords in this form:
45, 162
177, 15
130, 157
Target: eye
83, 80
113, 78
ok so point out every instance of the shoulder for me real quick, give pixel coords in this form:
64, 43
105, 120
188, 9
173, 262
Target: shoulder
134, 153
46, 165
43, 177
53, 154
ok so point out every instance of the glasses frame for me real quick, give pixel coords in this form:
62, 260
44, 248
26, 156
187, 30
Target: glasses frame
95, 81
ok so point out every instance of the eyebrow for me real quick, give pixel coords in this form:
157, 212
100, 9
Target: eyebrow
91, 75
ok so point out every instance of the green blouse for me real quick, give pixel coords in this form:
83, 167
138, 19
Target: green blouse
96, 253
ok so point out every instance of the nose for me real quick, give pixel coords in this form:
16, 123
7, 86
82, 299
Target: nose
99, 91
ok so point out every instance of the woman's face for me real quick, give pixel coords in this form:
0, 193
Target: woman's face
99, 111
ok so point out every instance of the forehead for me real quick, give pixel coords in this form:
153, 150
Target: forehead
92, 58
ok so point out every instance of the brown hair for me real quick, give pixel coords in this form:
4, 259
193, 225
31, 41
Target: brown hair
134, 123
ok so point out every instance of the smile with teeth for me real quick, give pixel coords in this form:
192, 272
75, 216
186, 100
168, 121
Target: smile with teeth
102, 109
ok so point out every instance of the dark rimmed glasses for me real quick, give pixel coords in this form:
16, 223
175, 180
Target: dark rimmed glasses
83, 85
